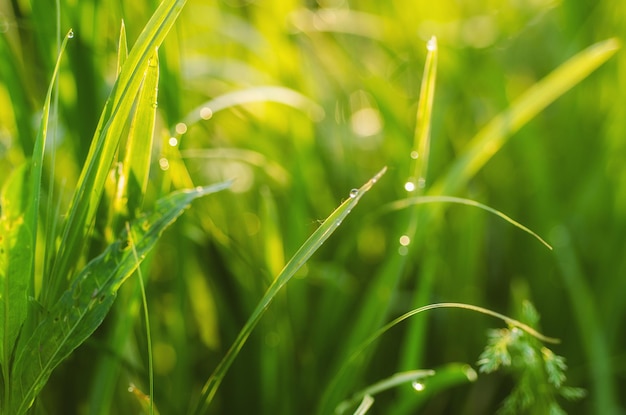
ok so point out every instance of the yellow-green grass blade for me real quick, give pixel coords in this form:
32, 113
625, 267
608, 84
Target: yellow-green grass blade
85, 304
105, 143
136, 162
495, 134
122, 48
303, 254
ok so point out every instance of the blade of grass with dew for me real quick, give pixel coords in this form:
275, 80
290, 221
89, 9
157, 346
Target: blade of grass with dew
83, 307
373, 308
393, 381
310, 246
447, 376
19, 221
133, 182
104, 146
486, 144
406, 203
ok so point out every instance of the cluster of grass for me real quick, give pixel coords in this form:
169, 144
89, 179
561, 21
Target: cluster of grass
374, 149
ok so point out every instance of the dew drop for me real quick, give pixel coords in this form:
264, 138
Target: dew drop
155, 104
70, 34
418, 386
354, 193
414, 155
409, 186
421, 183
206, 113
173, 141
181, 128
405, 240
164, 163
432, 44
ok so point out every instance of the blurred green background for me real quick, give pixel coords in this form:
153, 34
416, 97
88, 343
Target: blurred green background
335, 86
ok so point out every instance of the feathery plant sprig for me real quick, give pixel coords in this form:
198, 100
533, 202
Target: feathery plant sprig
539, 373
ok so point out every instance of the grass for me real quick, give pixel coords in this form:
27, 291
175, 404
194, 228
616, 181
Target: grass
107, 135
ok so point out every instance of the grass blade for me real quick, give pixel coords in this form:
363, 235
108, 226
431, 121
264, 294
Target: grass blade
18, 226
406, 203
495, 134
82, 308
300, 258
106, 140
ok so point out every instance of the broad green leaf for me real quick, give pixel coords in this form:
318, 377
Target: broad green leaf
106, 140
18, 236
303, 254
83, 307
16, 261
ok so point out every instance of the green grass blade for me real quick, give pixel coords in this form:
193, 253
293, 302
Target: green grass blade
495, 134
83, 307
106, 141
136, 163
297, 261
406, 203
18, 235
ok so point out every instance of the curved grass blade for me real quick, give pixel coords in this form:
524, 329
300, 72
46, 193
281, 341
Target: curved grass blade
352, 360
405, 203
365, 405
300, 258
106, 141
277, 94
396, 379
83, 307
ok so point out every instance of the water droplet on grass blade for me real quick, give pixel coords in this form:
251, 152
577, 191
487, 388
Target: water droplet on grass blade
418, 386
173, 141
432, 44
206, 113
70, 34
414, 155
354, 193
409, 186
181, 128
